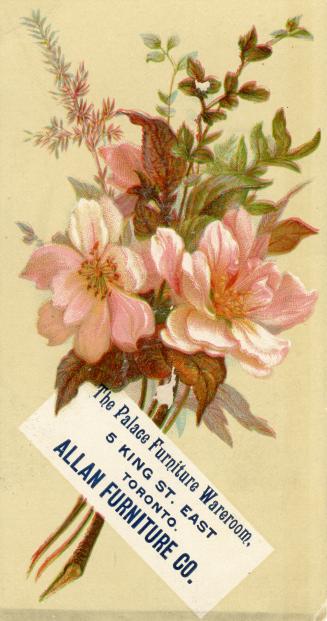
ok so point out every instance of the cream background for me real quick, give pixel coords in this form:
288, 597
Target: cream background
279, 485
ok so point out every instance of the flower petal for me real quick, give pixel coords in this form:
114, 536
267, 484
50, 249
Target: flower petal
254, 341
167, 249
65, 287
130, 267
79, 306
153, 279
47, 261
239, 223
221, 250
175, 334
113, 219
51, 325
124, 159
195, 281
291, 304
93, 337
131, 319
209, 334
88, 228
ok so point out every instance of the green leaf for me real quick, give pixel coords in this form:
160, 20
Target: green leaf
151, 40
248, 41
195, 69
281, 163
155, 57
259, 53
165, 111
259, 143
280, 133
172, 42
85, 190
279, 34
230, 82
301, 33
215, 86
306, 148
209, 138
187, 86
260, 208
164, 98
182, 63
202, 155
185, 137
252, 92
293, 23
191, 230
240, 158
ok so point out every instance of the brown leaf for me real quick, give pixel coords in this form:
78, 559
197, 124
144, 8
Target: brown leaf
146, 220
115, 369
287, 234
232, 401
151, 360
165, 170
204, 373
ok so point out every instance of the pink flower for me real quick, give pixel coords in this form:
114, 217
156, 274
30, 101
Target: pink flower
229, 300
93, 283
124, 160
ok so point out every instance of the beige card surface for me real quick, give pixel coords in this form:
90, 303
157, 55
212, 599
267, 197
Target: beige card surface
178, 248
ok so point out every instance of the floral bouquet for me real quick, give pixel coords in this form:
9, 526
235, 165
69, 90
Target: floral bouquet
166, 268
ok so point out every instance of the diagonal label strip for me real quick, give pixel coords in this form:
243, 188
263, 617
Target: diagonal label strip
150, 493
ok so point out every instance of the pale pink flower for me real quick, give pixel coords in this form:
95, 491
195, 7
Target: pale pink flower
229, 300
93, 283
124, 160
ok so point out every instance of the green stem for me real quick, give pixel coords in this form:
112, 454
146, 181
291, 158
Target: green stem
178, 409
144, 388
185, 191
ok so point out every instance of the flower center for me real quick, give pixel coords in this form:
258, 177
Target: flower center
228, 302
98, 275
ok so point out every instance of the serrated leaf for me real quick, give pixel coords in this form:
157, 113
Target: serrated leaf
259, 143
280, 133
151, 40
115, 369
287, 234
202, 372
155, 57
172, 42
260, 208
151, 359
202, 155
305, 149
191, 230
85, 190
240, 158
164, 170
209, 138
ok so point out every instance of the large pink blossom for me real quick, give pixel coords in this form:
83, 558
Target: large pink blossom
94, 282
124, 161
229, 300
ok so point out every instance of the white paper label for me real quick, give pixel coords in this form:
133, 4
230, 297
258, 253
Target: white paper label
150, 492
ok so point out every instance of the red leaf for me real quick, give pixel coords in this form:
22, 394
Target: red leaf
287, 234
165, 170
